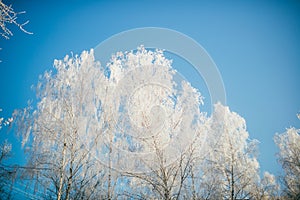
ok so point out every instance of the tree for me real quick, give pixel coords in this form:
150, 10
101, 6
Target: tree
289, 157
267, 188
157, 123
7, 173
230, 170
65, 127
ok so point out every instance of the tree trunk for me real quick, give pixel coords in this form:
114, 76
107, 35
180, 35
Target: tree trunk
109, 169
193, 183
69, 184
61, 172
232, 183
70, 179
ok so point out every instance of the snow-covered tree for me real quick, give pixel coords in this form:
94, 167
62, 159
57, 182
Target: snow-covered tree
266, 188
231, 169
6, 172
65, 127
158, 122
289, 157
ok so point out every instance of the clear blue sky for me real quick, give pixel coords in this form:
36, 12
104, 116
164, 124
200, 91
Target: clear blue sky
255, 44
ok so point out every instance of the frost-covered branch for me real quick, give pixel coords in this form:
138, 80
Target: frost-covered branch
9, 16
5, 122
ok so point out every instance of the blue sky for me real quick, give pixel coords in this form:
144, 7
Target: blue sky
255, 45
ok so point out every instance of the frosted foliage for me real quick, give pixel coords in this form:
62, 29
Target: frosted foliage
122, 63
68, 97
9, 16
288, 143
232, 131
267, 187
232, 154
149, 109
134, 128
91, 120
289, 157
4, 122
5, 149
269, 178
157, 111
67, 121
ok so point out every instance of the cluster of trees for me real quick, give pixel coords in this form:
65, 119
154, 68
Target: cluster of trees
134, 130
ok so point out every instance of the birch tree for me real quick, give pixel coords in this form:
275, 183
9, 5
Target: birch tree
234, 166
65, 127
289, 157
267, 188
7, 173
158, 122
